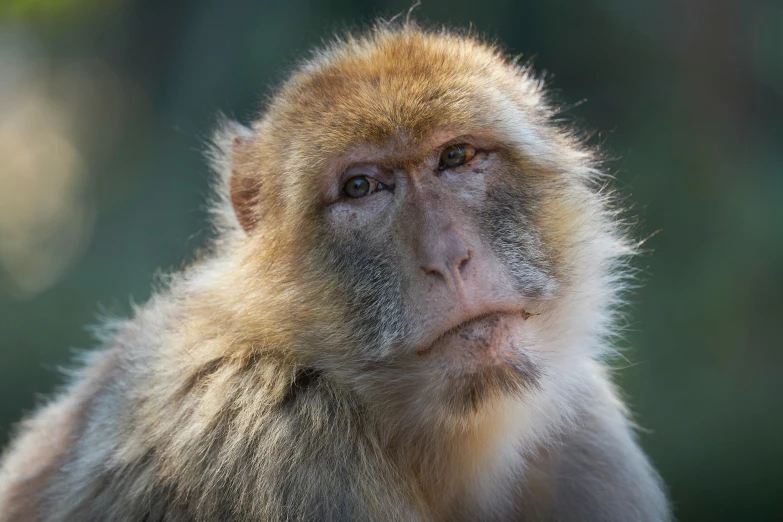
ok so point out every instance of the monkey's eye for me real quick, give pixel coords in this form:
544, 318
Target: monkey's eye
357, 187
361, 186
455, 155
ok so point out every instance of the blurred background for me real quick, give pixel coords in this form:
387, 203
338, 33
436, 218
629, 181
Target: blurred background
106, 106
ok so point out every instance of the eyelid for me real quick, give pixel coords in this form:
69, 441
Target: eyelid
371, 171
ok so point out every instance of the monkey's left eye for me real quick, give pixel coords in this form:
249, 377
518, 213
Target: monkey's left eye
455, 156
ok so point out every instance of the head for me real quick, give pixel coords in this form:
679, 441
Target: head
409, 219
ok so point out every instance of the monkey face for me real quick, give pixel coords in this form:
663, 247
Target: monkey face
433, 236
447, 219
437, 251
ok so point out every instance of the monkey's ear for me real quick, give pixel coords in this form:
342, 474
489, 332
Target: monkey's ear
243, 189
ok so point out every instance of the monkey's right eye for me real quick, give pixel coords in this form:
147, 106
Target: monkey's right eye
361, 186
357, 187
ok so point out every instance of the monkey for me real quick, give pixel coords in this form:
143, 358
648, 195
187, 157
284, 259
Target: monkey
405, 314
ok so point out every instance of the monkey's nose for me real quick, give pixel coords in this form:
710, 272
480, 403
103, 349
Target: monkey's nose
448, 262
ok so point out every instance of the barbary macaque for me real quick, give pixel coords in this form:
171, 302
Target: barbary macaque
404, 316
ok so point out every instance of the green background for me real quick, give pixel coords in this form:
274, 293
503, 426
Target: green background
686, 95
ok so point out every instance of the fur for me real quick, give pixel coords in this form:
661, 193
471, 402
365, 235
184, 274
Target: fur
265, 381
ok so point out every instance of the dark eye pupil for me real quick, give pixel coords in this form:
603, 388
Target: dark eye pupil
357, 187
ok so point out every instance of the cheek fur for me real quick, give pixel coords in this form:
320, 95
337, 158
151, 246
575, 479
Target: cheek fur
370, 283
507, 222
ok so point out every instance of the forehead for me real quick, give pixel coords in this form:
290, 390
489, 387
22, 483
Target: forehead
392, 87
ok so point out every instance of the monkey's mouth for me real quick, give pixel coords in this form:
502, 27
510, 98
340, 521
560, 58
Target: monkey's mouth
486, 332
483, 358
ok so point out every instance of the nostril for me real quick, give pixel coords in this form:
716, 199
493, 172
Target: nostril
450, 268
432, 271
464, 261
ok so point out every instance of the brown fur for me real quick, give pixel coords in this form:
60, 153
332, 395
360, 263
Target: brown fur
251, 388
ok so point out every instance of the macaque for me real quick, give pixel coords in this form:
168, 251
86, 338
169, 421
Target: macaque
405, 315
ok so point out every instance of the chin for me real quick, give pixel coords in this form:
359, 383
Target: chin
483, 360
